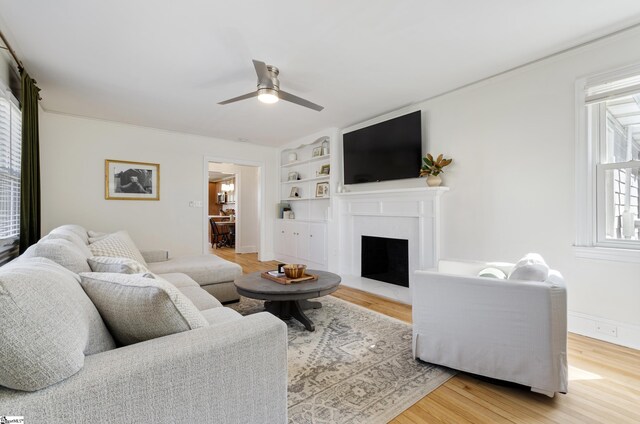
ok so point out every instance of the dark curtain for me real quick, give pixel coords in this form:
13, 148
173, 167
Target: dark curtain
30, 165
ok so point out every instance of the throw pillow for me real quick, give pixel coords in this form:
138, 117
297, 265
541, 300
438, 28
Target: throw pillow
136, 309
117, 245
118, 265
94, 236
530, 268
492, 272
62, 252
47, 324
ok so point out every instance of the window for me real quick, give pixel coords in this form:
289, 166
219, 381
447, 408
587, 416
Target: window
10, 149
608, 161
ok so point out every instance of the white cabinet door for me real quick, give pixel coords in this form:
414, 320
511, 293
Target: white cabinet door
279, 237
318, 243
302, 240
285, 238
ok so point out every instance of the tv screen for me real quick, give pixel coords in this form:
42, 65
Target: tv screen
390, 150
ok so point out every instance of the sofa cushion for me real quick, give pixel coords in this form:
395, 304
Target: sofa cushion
200, 298
117, 245
136, 309
530, 268
69, 236
204, 269
179, 279
62, 252
78, 230
47, 324
217, 316
118, 265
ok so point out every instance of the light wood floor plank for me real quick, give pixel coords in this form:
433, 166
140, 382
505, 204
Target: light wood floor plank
604, 379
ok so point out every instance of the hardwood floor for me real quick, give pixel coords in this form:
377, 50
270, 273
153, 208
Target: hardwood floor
604, 379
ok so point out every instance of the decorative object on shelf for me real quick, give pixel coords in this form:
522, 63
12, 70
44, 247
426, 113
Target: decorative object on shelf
293, 176
126, 180
282, 208
432, 168
293, 157
325, 147
324, 170
295, 192
288, 215
317, 152
340, 188
322, 190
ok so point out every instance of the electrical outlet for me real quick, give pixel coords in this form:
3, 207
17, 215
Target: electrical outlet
192, 204
198, 203
608, 329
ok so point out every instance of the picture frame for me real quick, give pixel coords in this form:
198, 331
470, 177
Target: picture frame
317, 152
325, 169
295, 192
293, 176
322, 189
128, 180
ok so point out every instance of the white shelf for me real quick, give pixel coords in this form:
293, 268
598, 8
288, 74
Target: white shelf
302, 162
293, 199
320, 221
304, 180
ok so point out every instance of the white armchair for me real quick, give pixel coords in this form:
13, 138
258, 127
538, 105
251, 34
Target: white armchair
511, 330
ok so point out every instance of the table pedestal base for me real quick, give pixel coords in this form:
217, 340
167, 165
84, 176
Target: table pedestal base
288, 309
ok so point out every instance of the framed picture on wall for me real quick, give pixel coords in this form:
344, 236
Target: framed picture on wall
126, 180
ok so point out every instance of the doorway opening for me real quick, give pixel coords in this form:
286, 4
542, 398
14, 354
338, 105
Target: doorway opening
233, 211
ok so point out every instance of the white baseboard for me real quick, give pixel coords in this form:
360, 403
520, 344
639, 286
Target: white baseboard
246, 249
626, 334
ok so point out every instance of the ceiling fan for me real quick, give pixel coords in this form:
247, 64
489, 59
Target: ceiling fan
269, 89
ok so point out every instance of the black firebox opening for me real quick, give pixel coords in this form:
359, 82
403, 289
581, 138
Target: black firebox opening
385, 259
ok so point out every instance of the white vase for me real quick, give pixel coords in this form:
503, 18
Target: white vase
434, 180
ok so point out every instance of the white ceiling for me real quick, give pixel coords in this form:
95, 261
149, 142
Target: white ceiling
166, 64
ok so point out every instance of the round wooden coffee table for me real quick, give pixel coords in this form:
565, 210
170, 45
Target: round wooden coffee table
290, 300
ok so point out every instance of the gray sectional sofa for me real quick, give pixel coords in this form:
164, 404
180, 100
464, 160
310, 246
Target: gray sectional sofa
59, 362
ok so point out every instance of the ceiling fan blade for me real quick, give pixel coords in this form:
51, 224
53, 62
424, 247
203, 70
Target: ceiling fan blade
264, 77
237, 99
298, 100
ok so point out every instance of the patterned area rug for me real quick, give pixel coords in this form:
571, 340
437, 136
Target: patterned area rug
357, 367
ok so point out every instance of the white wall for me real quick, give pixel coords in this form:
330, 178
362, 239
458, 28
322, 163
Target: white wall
73, 151
512, 181
247, 208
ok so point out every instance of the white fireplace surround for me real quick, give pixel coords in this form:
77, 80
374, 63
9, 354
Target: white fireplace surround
411, 214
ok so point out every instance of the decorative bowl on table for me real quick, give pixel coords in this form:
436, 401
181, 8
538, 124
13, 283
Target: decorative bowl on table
294, 270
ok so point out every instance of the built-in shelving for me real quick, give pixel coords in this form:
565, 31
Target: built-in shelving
307, 161
304, 171
324, 177
306, 174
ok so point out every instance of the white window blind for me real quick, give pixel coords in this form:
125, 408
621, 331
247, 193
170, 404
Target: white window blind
10, 152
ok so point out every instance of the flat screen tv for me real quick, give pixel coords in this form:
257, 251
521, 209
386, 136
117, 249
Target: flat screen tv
389, 150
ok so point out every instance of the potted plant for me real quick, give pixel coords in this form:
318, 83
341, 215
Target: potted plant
432, 168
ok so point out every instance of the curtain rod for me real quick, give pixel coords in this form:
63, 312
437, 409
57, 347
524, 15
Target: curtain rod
13, 53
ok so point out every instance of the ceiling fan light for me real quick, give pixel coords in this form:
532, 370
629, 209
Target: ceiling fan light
268, 95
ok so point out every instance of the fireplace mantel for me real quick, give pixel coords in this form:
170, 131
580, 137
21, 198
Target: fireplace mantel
411, 213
